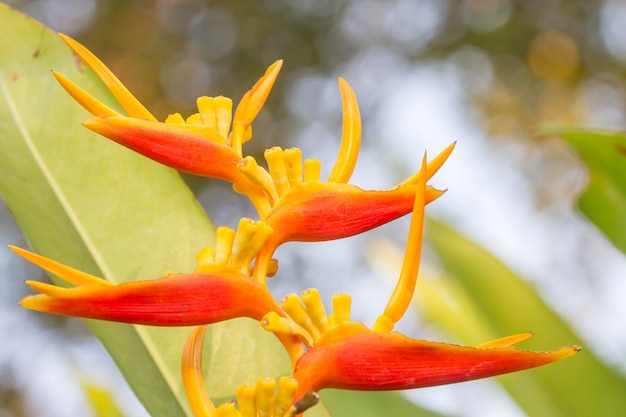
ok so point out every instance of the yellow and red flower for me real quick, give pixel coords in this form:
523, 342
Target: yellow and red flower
219, 289
289, 195
230, 281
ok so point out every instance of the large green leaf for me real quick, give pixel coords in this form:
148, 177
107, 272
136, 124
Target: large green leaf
96, 206
482, 299
604, 199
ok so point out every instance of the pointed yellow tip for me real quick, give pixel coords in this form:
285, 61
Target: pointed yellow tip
350, 136
506, 341
115, 86
71, 275
90, 103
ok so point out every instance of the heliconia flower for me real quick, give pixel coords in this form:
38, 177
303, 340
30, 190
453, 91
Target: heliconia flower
266, 398
303, 208
219, 289
353, 357
347, 355
203, 144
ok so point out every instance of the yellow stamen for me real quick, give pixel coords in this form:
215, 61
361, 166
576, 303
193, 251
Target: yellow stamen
250, 238
403, 292
274, 323
294, 308
278, 169
284, 395
71, 275
245, 231
216, 112
119, 91
265, 396
259, 177
312, 170
246, 399
293, 159
315, 309
224, 237
505, 341
89, 102
191, 368
350, 136
341, 309
433, 166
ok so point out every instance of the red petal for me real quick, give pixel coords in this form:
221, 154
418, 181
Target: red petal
175, 300
182, 147
390, 361
319, 211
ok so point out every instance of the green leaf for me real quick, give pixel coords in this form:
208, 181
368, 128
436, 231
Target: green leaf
604, 200
97, 206
494, 302
372, 404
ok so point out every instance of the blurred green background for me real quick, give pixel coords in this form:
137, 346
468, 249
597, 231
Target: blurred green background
483, 73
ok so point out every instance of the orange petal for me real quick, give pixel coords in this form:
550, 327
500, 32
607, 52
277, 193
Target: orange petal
174, 300
182, 147
319, 211
374, 361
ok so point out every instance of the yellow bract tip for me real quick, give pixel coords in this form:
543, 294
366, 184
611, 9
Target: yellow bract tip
71, 275
350, 137
115, 86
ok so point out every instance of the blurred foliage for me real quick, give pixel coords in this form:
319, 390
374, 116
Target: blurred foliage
604, 198
471, 304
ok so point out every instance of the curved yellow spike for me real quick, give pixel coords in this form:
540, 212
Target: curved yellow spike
403, 292
350, 136
433, 166
191, 368
250, 106
48, 291
89, 102
71, 275
115, 86
506, 341
255, 98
